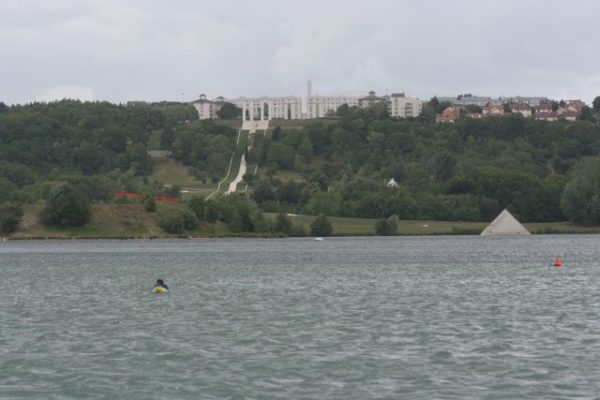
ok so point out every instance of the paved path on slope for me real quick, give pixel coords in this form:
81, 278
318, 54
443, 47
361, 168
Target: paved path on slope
238, 178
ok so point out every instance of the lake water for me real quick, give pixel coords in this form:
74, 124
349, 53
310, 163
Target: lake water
345, 318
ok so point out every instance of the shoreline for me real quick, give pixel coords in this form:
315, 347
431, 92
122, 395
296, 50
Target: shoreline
131, 222
272, 236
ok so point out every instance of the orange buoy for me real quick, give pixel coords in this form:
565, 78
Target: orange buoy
556, 262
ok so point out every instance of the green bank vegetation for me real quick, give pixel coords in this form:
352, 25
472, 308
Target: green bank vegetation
130, 220
545, 173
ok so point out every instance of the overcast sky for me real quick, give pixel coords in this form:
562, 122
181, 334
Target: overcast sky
120, 50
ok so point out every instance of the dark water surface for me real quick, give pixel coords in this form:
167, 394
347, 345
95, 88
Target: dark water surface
351, 318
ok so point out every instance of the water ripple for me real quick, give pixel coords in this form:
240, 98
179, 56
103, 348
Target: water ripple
353, 318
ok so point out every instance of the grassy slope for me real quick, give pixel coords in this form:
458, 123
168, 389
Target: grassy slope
107, 221
172, 172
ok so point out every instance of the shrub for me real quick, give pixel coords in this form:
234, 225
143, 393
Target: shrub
190, 221
321, 226
198, 206
179, 222
66, 206
10, 218
283, 224
387, 226
149, 204
172, 223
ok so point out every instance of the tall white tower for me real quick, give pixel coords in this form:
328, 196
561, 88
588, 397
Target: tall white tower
308, 96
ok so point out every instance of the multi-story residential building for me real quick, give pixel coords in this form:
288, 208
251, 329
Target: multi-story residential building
252, 107
469, 99
370, 99
400, 105
485, 101
207, 109
530, 101
323, 106
267, 108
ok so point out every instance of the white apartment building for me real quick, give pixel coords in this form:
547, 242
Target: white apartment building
468, 99
207, 109
324, 106
402, 106
399, 105
485, 101
268, 108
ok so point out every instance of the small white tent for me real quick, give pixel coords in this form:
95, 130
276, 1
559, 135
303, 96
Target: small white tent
505, 224
392, 183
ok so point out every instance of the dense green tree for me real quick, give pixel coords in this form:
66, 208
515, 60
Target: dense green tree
149, 204
441, 165
96, 187
321, 226
8, 190
387, 226
437, 105
244, 218
276, 134
190, 221
212, 211
229, 111
283, 224
587, 114
179, 222
173, 223
66, 206
173, 191
10, 218
249, 179
166, 138
323, 203
581, 197
281, 156
140, 161
596, 104
427, 114
198, 207
18, 174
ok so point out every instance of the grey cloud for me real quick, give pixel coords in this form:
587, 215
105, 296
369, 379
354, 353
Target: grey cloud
156, 49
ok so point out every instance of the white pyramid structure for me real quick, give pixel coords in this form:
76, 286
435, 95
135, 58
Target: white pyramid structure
505, 224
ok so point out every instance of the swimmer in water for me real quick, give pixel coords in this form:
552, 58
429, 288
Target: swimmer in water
161, 284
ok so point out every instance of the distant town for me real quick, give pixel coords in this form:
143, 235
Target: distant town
400, 105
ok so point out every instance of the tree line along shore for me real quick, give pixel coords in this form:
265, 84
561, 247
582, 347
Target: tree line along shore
360, 172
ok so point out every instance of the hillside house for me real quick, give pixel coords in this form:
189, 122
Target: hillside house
449, 115
546, 116
521, 108
543, 108
492, 111
569, 115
